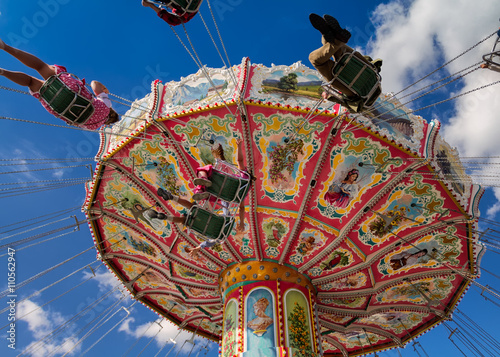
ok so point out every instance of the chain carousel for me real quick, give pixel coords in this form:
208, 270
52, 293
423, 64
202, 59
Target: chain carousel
358, 233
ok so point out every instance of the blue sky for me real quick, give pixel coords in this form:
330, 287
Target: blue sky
126, 47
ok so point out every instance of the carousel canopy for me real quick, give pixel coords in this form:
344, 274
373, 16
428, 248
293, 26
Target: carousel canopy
374, 209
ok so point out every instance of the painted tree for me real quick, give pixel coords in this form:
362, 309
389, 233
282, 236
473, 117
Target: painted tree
167, 176
284, 157
288, 83
298, 332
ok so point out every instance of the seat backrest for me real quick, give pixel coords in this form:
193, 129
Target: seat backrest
357, 74
65, 102
208, 224
188, 5
227, 187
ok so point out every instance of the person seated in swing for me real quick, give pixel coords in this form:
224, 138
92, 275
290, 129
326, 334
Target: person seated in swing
103, 114
168, 196
176, 17
334, 40
194, 252
204, 173
203, 181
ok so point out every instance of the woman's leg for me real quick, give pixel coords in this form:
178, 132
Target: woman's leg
187, 204
29, 60
177, 219
203, 174
167, 196
22, 79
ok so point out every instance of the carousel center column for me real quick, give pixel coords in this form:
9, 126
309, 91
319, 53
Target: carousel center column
268, 311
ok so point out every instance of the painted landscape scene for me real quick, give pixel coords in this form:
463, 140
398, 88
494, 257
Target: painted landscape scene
284, 86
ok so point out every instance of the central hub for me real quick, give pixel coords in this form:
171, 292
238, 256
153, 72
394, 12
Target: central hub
242, 274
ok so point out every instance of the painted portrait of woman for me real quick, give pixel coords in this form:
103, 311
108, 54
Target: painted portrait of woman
262, 321
341, 193
407, 259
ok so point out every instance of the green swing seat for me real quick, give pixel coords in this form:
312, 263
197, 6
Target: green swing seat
65, 102
358, 81
227, 187
208, 224
493, 58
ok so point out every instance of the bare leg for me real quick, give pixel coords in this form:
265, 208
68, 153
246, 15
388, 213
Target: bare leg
241, 160
167, 196
146, 3
22, 79
202, 179
30, 60
241, 225
98, 87
178, 219
184, 202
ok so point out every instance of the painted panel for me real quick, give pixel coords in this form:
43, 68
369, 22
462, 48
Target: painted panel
440, 288
230, 334
283, 160
395, 321
298, 323
352, 282
357, 164
289, 85
260, 320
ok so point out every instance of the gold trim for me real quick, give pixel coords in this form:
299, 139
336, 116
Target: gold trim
255, 271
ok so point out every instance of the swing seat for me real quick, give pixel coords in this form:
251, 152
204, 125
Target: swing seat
355, 82
189, 6
228, 187
493, 58
65, 102
208, 224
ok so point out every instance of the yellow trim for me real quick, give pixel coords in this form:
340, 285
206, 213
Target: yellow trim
190, 111
278, 313
272, 270
291, 109
313, 324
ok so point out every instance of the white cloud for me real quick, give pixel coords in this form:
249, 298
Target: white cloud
40, 322
42, 350
163, 331
495, 208
105, 279
58, 174
414, 38
38, 319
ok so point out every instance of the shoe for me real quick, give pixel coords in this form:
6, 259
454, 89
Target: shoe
199, 181
162, 216
340, 34
322, 26
200, 196
378, 64
166, 195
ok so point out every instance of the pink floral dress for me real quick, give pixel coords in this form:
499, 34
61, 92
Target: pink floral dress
101, 110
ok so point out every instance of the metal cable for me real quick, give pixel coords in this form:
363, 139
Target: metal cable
34, 277
447, 63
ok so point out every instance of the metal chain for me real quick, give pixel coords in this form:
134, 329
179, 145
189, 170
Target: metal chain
14, 90
455, 97
447, 63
